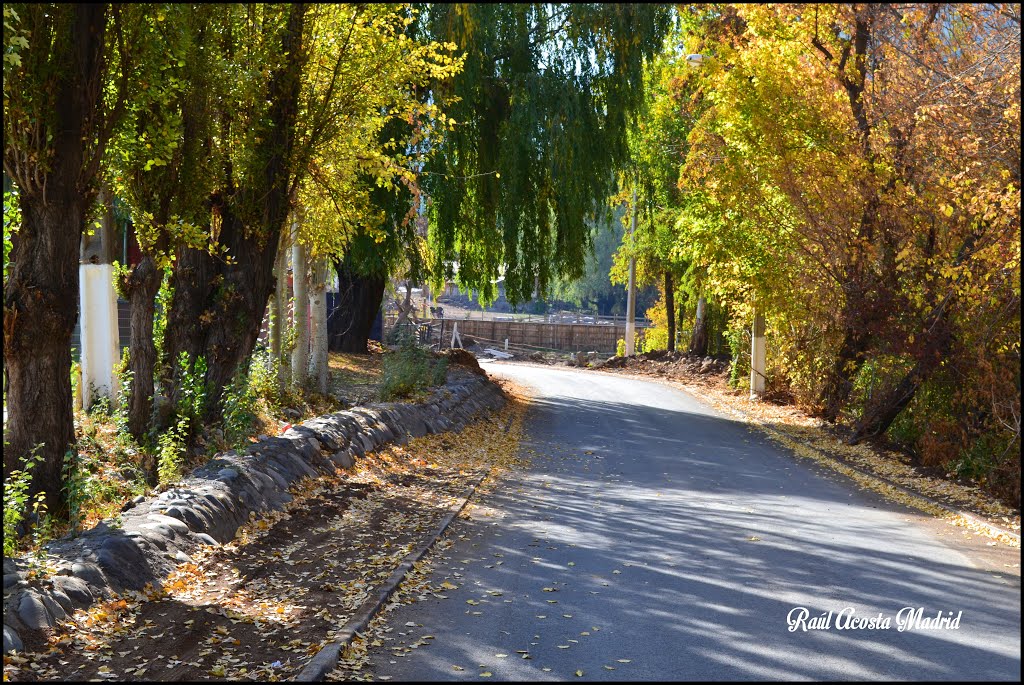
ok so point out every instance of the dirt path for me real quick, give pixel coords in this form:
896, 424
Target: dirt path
261, 606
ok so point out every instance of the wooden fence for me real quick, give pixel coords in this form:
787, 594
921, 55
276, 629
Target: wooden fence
535, 335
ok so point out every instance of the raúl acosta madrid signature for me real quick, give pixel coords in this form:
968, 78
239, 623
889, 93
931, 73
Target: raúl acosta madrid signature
907, 618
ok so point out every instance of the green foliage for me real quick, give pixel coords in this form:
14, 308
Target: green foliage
163, 303
263, 374
76, 373
620, 348
16, 499
739, 346
101, 408
546, 96
191, 387
75, 488
12, 222
238, 401
123, 374
410, 369
171, 458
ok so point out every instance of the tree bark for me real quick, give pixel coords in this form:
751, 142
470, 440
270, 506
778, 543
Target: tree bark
40, 309
318, 321
670, 312
849, 361
699, 341
218, 306
280, 318
41, 298
300, 309
359, 299
141, 288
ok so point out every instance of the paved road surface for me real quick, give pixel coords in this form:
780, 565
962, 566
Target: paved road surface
677, 539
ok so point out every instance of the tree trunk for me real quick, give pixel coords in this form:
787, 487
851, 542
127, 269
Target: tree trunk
359, 299
141, 288
300, 312
279, 320
670, 312
318, 320
699, 341
218, 307
848, 362
277, 304
41, 298
40, 309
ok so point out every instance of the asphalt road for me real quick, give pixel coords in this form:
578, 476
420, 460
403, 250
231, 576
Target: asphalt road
655, 536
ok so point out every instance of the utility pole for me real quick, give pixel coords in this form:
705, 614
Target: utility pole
631, 294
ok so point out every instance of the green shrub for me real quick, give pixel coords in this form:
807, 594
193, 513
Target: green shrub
171, 459
75, 483
410, 369
620, 348
263, 374
16, 499
163, 303
238, 401
192, 385
739, 346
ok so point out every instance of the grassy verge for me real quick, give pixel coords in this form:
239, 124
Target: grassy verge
111, 468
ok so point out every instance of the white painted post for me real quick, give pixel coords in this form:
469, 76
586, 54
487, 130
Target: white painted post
300, 312
318, 324
631, 293
506, 344
757, 357
98, 324
455, 335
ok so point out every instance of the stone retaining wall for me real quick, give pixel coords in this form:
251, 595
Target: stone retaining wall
208, 507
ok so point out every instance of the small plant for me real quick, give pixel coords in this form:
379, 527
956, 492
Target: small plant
409, 369
16, 499
124, 375
101, 408
74, 488
620, 348
163, 303
192, 400
263, 373
237, 401
76, 373
171, 459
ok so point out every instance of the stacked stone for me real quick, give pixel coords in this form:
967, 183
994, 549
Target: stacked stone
155, 535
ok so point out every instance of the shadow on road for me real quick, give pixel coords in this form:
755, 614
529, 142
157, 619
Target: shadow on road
716, 535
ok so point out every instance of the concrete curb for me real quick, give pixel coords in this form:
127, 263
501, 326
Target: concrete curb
326, 660
911, 493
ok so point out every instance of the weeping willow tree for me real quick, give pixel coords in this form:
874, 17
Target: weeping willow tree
541, 110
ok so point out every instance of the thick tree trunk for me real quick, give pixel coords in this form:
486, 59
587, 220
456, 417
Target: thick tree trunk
300, 309
699, 341
41, 298
142, 286
40, 309
359, 299
218, 306
318, 321
670, 312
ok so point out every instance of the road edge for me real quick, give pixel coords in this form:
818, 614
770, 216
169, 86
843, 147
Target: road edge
326, 660
833, 461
